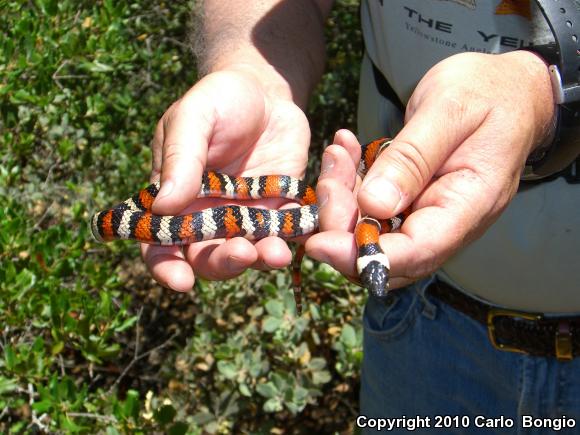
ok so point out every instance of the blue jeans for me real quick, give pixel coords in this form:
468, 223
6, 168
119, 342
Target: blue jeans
424, 360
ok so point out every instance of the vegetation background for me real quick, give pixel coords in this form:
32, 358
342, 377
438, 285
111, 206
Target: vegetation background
89, 343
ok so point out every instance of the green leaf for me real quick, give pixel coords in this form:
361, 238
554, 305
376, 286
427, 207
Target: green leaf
22, 96
275, 308
314, 312
98, 67
203, 418
228, 369
131, 408
9, 357
273, 405
212, 427
348, 335
43, 405
321, 377
70, 425
317, 364
165, 414
244, 390
271, 324
267, 390
300, 393
126, 324
280, 381
179, 428
269, 288
49, 7
7, 385
25, 280
57, 347
109, 351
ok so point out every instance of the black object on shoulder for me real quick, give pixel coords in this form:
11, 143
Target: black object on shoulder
561, 158
563, 57
386, 90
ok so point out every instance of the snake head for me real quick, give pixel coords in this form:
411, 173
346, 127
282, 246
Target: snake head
374, 276
372, 264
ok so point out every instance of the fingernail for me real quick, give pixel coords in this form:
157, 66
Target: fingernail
384, 192
234, 264
166, 189
327, 163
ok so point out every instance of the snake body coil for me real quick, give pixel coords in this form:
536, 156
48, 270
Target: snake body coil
133, 220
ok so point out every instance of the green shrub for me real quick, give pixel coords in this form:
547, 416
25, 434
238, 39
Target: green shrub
89, 342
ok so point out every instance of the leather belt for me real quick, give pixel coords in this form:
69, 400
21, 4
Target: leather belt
516, 331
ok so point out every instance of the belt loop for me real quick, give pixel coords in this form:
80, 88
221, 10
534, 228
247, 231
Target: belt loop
564, 341
429, 308
572, 172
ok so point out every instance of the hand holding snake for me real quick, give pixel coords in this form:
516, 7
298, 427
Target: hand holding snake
455, 160
468, 131
252, 132
133, 219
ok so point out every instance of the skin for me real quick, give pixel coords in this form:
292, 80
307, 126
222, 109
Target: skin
266, 66
456, 162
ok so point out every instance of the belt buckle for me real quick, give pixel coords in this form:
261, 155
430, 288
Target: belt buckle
500, 312
564, 341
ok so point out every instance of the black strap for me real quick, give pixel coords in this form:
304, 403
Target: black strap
563, 17
386, 90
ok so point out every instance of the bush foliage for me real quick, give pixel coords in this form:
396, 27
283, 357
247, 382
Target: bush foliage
89, 342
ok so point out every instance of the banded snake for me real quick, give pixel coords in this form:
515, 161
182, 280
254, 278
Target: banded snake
132, 220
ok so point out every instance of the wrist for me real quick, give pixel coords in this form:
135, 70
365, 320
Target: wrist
537, 76
283, 42
536, 91
273, 84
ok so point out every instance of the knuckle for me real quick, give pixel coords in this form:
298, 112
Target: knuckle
170, 114
456, 102
428, 263
409, 159
157, 141
171, 152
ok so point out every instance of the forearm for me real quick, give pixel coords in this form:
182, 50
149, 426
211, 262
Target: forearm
282, 42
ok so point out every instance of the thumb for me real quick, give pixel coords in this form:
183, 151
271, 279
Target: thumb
402, 170
187, 127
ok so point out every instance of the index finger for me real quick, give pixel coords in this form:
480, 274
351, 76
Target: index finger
186, 130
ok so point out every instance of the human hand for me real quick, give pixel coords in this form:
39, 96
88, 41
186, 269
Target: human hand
231, 122
469, 127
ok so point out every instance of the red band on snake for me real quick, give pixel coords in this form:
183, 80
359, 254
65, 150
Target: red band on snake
133, 220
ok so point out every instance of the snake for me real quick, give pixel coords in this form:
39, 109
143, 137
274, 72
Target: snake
132, 219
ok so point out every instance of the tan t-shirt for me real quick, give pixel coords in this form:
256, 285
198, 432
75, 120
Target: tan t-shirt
530, 258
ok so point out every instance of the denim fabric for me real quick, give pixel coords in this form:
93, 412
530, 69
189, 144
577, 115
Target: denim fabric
423, 358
